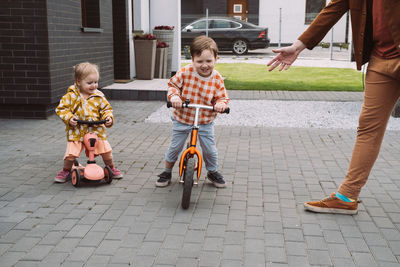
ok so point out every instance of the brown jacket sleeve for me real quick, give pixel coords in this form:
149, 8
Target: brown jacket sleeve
321, 25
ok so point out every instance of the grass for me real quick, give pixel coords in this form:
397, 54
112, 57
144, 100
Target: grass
244, 76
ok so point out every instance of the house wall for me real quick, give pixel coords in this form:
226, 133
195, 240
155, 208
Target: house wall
24, 56
168, 13
192, 10
293, 18
141, 15
40, 43
68, 45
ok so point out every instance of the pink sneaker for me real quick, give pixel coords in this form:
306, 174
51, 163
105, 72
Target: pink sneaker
62, 176
116, 173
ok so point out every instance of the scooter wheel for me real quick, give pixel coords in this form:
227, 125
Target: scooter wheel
107, 174
75, 178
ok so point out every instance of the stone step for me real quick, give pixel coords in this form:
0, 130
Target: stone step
155, 89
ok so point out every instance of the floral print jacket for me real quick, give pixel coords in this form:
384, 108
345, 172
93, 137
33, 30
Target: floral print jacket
95, 107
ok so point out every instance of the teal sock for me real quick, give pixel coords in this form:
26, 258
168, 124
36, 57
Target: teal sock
168, 170
343, 197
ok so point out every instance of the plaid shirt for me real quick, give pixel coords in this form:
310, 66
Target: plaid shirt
188, 84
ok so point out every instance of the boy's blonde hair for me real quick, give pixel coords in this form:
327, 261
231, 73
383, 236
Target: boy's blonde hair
82, 70
201, 43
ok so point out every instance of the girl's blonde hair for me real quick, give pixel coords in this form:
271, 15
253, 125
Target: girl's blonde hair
82, 70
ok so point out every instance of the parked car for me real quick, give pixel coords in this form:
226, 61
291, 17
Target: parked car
229, 34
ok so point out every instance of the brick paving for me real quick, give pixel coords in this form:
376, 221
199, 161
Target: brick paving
258, 220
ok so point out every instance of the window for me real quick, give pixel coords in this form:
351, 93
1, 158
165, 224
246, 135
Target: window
237, 8
200, 25
221, 24
313, 7
90, 14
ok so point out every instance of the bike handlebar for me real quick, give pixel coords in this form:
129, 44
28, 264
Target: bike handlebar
188, 105
91, 122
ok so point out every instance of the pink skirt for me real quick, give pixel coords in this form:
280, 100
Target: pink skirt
75, 148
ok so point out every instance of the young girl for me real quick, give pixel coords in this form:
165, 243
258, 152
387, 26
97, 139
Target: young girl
83, 101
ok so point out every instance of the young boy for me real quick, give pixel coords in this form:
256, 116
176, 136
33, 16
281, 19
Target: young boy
201, 84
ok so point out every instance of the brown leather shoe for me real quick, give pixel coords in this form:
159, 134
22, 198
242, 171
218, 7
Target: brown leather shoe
332, 204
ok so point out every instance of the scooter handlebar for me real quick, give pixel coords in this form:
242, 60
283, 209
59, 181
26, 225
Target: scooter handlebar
91, 122
169, 105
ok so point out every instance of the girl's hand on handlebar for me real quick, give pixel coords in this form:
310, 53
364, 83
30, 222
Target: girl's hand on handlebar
176, 102
220, 107
72, 121
108, 122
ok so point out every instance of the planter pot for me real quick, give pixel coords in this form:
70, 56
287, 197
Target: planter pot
161, 63
145, 58
168, 37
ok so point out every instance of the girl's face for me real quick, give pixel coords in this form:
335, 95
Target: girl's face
204, 63
89, 84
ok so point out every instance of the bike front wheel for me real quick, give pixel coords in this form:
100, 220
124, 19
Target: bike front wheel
188, 182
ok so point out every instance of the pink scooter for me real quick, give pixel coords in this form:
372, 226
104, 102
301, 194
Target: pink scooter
92, 171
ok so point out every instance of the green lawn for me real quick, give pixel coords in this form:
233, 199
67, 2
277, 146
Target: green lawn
244, 76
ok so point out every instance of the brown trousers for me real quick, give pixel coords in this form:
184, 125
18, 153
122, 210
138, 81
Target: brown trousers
382, 90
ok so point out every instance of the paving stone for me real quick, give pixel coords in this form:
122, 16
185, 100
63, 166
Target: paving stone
191, 250
254, 259
107, 247
208, 258
38, 253
296, 248
364, 259
275, 255
25, 244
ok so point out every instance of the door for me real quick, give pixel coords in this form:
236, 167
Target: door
238, 9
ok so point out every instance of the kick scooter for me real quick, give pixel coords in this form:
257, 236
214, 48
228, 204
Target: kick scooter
188, 163
91, 171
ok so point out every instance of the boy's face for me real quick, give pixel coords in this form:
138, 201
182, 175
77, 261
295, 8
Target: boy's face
204, 63
89, 84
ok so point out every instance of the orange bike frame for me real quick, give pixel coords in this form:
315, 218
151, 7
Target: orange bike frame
191, 152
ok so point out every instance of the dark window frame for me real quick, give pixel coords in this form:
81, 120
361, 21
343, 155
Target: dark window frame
91, 16
313, 7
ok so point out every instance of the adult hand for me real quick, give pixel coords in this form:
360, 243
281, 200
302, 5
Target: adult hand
220, 107
108, 122
72, 121
286, 56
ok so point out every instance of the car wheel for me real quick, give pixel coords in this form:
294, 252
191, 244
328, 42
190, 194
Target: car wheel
240, 47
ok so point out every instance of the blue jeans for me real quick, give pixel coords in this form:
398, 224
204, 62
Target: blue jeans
180, 133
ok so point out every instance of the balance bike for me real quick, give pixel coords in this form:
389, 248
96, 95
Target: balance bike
188, 163
91, 171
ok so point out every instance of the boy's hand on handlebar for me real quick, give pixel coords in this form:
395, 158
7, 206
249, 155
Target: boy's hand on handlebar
72, 121
108, 122
176, 102
220, 107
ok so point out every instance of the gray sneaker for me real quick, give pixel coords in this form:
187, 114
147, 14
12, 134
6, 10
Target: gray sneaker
164, 179
217, 179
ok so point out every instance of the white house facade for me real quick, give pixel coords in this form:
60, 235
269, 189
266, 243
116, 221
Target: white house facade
150, 13
286, 20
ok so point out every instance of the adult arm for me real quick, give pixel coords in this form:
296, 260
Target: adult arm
312, 36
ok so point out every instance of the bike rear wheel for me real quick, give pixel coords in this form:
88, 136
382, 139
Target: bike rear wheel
188, 182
